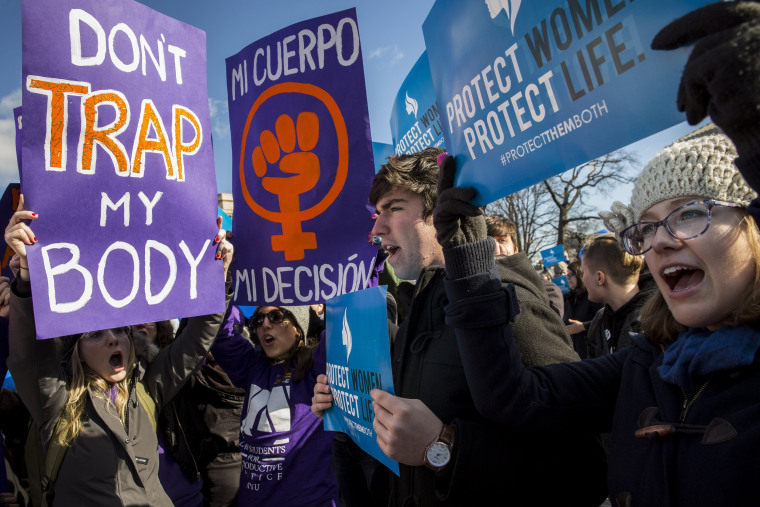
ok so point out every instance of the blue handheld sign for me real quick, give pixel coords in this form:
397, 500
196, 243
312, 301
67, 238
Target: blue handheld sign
358, 360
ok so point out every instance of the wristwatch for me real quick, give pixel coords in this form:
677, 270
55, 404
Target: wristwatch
438, 452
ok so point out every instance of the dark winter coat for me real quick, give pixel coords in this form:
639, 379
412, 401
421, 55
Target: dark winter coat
488, 460
706, 453
578, 307
106, 465
611, 330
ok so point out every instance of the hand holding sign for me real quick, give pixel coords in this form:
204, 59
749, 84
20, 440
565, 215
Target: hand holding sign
18, 234
722, 74
404, 427
322, 399
456, 220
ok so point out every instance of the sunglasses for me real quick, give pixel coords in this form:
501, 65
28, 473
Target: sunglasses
275, 317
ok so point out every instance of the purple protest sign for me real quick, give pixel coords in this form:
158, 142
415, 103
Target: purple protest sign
119, 166
17, 123
302, 164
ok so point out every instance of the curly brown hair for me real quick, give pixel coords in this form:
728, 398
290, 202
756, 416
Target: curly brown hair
416, 173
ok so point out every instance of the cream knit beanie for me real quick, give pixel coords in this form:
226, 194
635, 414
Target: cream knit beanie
700, 164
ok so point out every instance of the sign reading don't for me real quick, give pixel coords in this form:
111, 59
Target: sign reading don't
118, 164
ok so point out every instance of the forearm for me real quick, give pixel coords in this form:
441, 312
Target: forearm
503, 390
34, 364
231, 350
170, 369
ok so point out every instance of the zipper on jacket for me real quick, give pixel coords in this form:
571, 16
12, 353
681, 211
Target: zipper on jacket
687, 403
187, 444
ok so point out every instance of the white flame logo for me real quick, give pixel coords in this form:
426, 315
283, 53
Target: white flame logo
510, 6
411, 105
346, 335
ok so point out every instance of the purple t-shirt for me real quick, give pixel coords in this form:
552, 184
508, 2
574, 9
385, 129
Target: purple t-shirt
287, 456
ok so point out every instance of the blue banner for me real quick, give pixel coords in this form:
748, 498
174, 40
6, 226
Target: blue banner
358, 360
553, 255
563, 284
381, 152
528, 90
415, 119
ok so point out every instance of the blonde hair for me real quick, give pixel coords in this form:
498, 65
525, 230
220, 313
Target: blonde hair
660, 327
82, 377
605, 253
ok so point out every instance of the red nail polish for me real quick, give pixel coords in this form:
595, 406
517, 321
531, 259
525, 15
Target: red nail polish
218, 255
35, 239
34, 214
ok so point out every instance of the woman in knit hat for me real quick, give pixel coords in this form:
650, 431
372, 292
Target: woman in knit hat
287, 456
682, 403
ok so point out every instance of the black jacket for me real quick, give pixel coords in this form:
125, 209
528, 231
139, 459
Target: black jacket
488, 460
706, 454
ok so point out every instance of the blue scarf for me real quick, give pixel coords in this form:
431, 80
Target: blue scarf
699, 353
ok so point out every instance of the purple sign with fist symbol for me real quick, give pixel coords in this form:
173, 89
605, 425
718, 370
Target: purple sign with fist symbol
302, 164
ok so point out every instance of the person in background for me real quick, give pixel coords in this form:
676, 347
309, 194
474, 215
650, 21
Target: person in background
504, 232
611, 277
579, 311
286, 454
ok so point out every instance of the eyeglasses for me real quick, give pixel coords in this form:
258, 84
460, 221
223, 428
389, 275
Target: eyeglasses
687, 222
275, 317
118, 332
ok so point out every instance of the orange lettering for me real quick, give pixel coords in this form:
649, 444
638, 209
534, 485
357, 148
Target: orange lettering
57, 115
149, 116
181, 149
104, 135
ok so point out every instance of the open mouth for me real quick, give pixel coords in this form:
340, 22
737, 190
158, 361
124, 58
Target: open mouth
268, 340
681, 278
116, 361
390, 249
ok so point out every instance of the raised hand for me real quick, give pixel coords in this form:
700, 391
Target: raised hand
18, 235
456, 220
722, 76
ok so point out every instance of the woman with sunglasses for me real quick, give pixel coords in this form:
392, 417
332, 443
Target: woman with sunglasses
287, 456
92, 399
682, 404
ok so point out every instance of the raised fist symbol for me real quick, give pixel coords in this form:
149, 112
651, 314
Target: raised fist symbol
303, 164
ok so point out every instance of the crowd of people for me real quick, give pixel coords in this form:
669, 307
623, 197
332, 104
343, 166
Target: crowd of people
635, 389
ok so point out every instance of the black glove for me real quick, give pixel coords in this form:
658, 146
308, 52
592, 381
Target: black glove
722, 76
456, 220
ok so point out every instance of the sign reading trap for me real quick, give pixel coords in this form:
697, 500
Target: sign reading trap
118, 164
358, 360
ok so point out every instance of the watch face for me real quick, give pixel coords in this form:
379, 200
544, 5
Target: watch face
438, 454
